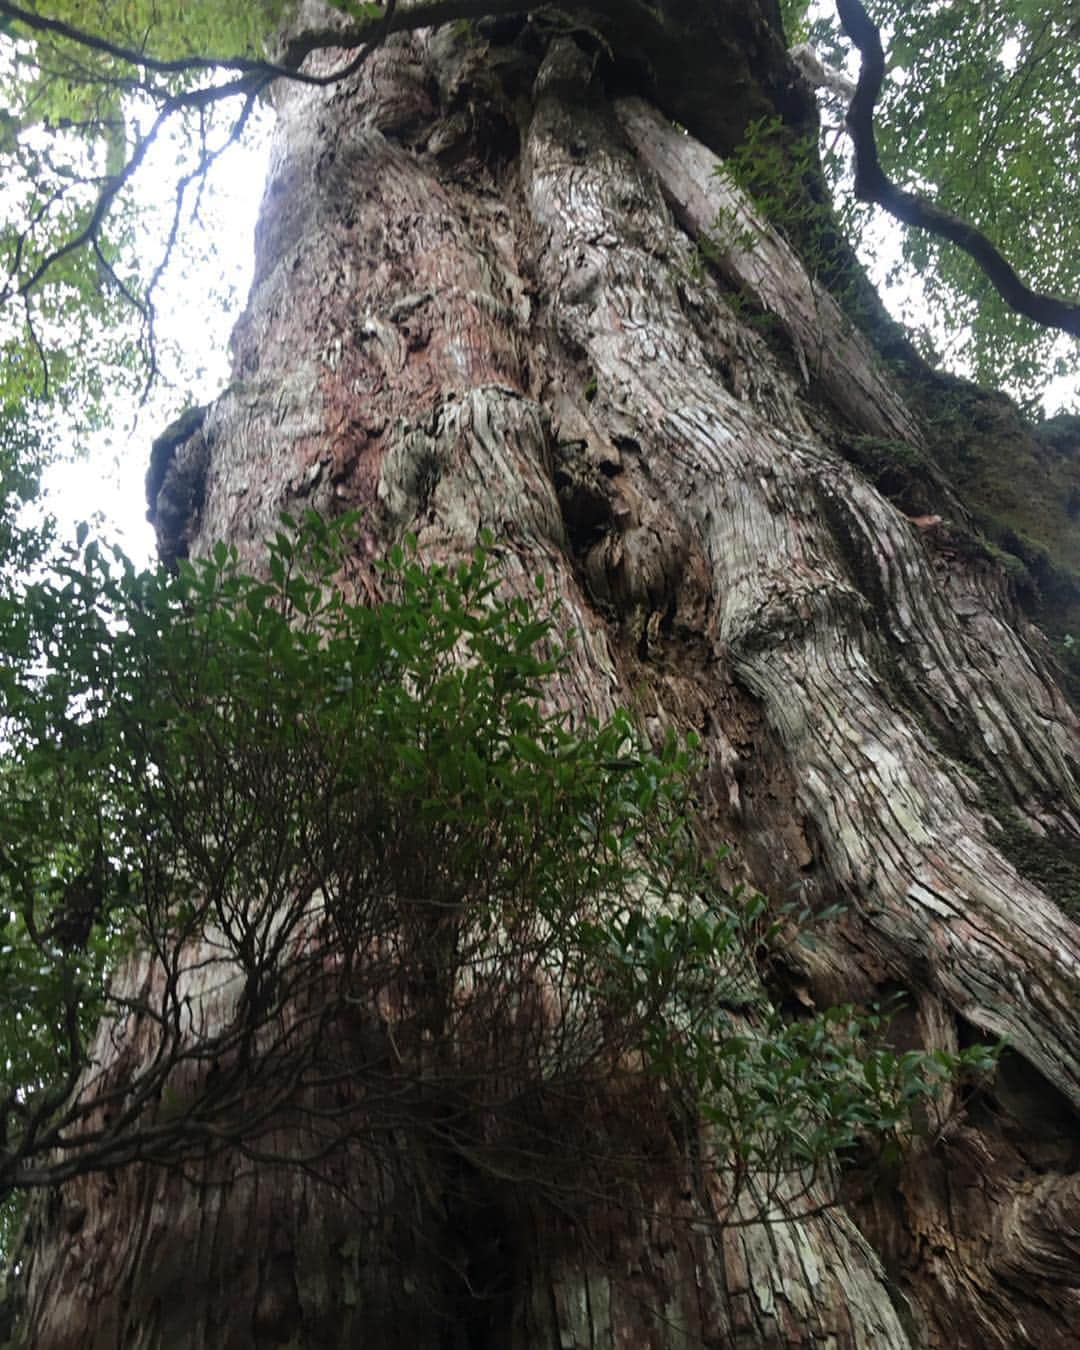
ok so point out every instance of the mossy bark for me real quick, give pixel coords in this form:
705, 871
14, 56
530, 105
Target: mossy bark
480, 304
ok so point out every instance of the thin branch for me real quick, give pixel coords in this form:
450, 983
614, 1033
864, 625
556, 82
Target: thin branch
82, 37
362, 33
253, 77
206, 159
39, 349
873, 185
106, 266
109, 192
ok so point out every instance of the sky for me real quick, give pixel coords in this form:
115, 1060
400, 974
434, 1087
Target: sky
199, 299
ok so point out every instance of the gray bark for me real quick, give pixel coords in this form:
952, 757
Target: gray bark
480, 305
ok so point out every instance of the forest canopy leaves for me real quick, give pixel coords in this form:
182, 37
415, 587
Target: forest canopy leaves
81, 118
980, 113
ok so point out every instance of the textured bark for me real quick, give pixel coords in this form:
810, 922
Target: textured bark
479, 304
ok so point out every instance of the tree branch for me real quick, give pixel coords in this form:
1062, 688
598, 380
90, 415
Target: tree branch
184, 65
873, 185
250, 76
361, 33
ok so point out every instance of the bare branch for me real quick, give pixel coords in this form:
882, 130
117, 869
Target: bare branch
359, 34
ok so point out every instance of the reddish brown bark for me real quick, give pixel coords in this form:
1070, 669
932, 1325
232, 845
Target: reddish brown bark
479, 304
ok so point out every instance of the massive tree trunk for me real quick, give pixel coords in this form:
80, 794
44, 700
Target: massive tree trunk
480, 303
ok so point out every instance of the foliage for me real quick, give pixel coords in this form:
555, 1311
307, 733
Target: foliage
24, 453
772, 169
795, 20
358, 873
79, 121
980, 112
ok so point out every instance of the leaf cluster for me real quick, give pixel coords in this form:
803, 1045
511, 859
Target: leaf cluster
979, 113
80, 116
273, 855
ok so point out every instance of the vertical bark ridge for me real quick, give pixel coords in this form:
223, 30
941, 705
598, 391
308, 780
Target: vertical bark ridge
900, 840
454, 336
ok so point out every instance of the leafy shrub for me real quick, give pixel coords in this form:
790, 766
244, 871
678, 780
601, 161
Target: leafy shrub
271, 856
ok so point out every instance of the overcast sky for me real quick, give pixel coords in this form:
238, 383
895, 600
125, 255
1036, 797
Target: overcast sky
198, 301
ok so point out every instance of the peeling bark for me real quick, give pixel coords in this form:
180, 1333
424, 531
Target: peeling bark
754, 258
478, 304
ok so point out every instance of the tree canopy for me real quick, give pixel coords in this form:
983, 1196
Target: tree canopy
975, 112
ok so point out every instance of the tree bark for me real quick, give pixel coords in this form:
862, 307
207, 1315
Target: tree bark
479, 303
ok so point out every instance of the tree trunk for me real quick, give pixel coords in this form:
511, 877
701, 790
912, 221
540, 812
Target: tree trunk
480, 303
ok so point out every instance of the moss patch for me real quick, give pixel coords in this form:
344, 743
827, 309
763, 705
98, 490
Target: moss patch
1022, 484
1050, 860
900, 471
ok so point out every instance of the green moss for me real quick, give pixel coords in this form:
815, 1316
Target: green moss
1022, 484
877, 453
1049, 860
901, 472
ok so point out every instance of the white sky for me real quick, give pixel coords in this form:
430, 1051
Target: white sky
198, 300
